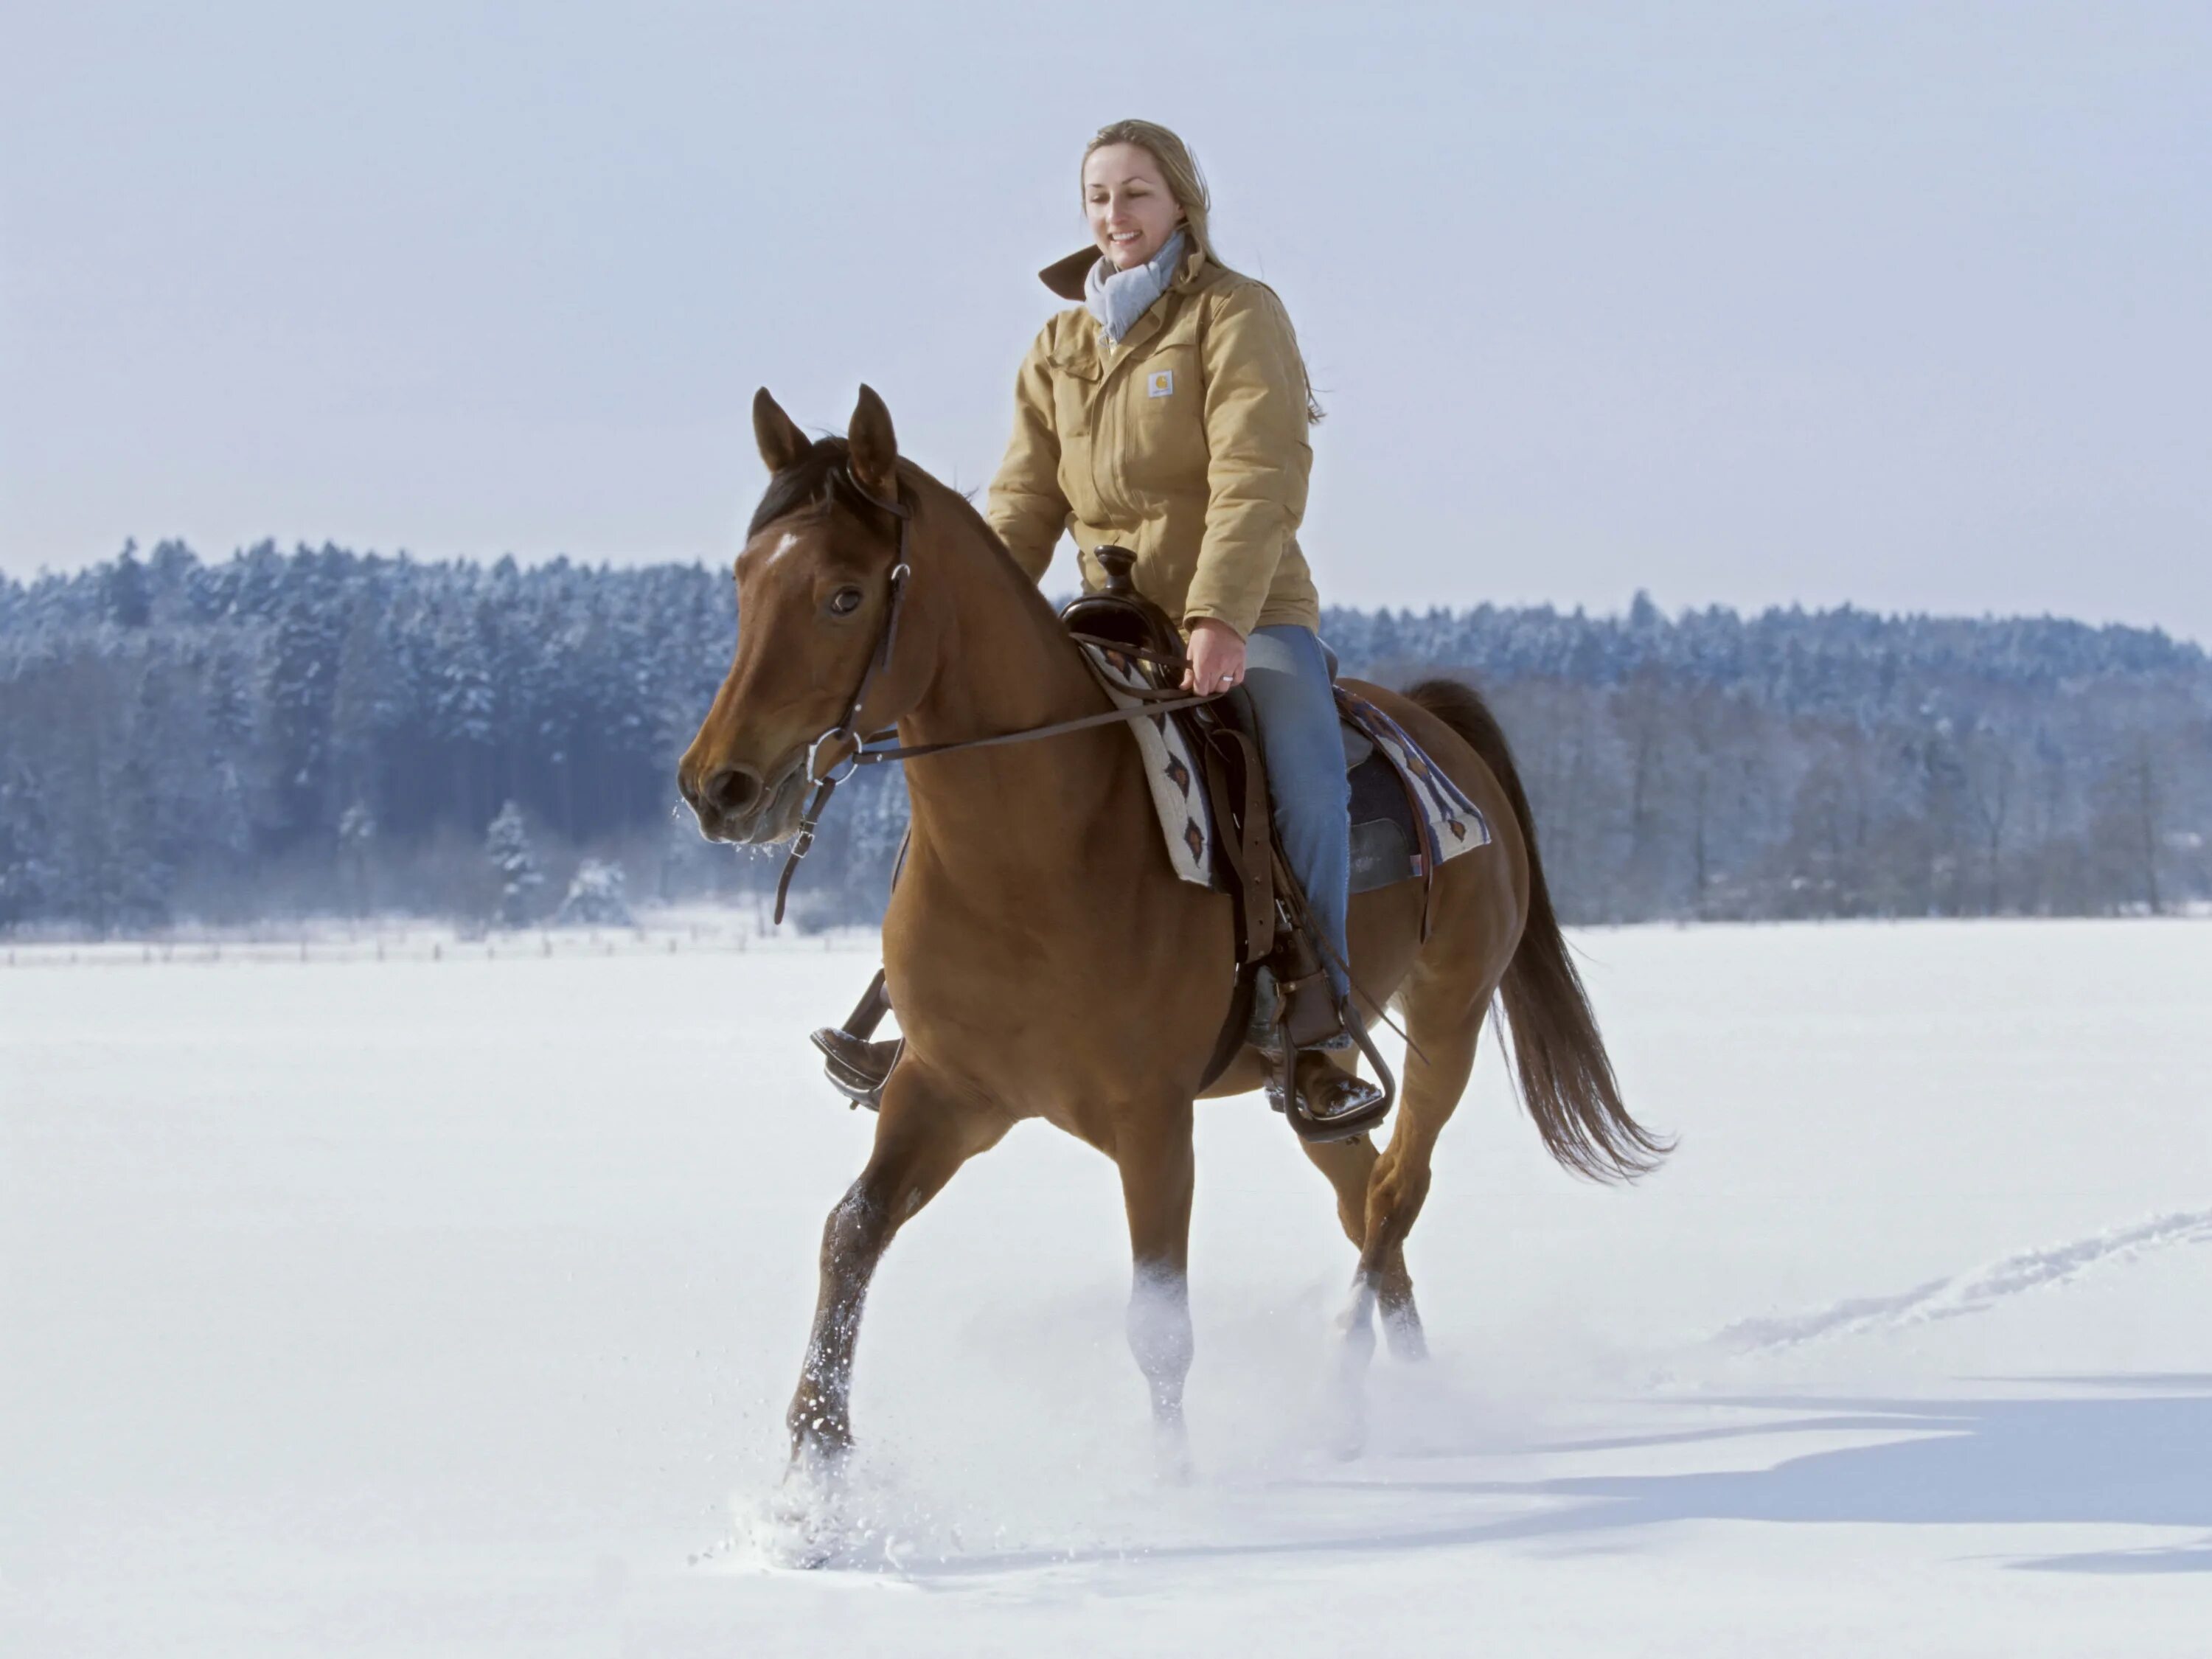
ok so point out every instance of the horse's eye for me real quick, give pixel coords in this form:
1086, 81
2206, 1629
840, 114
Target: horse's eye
845, 601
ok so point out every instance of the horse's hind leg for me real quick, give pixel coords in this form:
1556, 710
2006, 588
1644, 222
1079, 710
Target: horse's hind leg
1443, 1017
1158, 1168
924, 1132
1350, 1166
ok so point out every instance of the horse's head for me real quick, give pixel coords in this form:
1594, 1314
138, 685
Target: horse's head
814, 585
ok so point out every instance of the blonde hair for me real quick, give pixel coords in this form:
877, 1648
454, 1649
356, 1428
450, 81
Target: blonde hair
1187, 184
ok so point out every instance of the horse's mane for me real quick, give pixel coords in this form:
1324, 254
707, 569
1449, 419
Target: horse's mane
821, 477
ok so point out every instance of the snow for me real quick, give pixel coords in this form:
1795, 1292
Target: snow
447, 1303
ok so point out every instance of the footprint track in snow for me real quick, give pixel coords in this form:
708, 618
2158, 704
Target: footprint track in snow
1975, 1292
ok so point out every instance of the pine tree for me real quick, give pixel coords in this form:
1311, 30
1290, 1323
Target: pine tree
356, 841
595, 897
514, 865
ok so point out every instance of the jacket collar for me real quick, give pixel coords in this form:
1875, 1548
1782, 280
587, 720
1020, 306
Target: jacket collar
1065, 277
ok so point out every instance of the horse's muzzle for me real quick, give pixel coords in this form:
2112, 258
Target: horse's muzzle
735, 804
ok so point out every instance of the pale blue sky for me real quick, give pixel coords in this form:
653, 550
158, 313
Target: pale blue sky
1902, 304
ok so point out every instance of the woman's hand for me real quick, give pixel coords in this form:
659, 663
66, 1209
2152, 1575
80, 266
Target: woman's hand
1217, 658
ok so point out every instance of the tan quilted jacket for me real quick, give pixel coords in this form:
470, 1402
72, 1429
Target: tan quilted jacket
1186, 444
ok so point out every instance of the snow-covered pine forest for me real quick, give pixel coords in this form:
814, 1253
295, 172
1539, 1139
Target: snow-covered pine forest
323, 730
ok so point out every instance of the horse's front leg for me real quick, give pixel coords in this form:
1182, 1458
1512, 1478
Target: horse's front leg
925, 1131
1157, 1169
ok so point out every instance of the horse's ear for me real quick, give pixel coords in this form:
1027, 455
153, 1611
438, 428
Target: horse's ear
875, 446
783, 445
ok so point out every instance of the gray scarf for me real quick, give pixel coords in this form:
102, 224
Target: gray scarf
1118, 298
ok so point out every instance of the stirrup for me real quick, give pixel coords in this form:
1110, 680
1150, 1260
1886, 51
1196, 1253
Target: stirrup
857, 1068
1323, 1102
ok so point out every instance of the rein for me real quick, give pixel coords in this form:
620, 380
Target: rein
847, 731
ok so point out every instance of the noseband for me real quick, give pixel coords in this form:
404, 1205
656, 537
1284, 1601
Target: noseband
847, 730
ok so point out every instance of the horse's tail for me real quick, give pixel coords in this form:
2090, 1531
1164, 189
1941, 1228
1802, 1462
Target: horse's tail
1566, 1080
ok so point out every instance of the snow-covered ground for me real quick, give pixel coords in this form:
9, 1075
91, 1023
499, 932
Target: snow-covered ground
448, 1304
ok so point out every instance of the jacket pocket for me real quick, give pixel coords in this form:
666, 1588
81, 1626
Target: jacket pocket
1164, 405
1076, 373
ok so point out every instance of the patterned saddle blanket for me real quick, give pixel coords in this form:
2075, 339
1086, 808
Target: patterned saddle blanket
1408, 817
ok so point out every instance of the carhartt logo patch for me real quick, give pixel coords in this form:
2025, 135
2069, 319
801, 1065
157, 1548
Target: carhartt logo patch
1161, 383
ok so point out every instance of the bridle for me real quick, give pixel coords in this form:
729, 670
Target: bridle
847, 730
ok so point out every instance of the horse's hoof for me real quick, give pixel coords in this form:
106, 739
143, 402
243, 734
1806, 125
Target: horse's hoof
1171, 1462
820, 1457
805, 1520
1403, 1331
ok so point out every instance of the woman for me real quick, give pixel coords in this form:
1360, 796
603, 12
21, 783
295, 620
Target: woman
1167, 414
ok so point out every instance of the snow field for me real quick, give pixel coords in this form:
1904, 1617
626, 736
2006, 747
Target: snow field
450, 1306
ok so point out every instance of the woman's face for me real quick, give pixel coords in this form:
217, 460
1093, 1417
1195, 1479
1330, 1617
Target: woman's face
1133, 212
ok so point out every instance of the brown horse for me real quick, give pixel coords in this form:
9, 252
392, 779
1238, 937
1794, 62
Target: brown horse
1043, 958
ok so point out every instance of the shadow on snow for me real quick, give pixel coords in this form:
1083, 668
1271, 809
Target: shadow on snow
2139, 1462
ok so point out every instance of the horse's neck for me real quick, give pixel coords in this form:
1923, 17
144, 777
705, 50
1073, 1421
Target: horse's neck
1004, 665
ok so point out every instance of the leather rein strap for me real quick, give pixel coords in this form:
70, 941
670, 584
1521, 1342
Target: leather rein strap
846, 731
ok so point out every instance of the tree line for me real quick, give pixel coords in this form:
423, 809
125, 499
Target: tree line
320, 730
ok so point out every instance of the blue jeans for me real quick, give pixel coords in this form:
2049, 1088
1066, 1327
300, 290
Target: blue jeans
1287, 672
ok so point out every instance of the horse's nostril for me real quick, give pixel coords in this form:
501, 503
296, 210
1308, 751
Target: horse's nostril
732, 789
